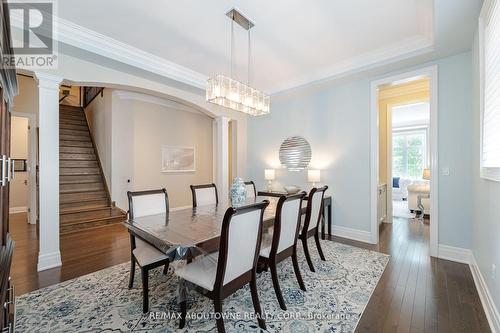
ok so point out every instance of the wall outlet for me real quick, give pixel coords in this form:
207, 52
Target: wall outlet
493, 271
445, 171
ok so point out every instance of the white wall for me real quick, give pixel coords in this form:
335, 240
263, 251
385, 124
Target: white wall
334, 118
485, 226
132, 132
99, 119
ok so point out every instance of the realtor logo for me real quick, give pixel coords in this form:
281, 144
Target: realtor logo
32, 30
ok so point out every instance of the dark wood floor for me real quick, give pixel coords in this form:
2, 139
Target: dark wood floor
416, 293
81, 253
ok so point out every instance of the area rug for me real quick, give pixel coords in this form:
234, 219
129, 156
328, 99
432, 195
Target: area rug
337, 294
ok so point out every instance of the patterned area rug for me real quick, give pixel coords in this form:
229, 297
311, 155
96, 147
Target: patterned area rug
337, 294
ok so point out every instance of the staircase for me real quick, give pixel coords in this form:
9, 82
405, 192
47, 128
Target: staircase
84, 200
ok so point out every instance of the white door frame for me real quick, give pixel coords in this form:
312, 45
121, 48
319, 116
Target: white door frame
32, 154
432, 73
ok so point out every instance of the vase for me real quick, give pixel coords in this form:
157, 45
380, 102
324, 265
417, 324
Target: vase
238, 191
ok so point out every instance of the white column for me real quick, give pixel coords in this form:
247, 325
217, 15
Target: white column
49, 255
222, 156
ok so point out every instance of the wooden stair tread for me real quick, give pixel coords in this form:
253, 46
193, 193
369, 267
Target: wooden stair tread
65, 198
93, 216
79, 181
89, 208
73, 122
101, 202
84, 201
77, 156
71, 137
75, 171
72, 143
77, 150
80, 190
75, 228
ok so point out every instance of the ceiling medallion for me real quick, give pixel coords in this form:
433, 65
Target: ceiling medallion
233, 94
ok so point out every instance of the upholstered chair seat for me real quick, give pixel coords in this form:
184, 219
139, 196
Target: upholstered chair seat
146, 203
201, 272
221, 274
147, 254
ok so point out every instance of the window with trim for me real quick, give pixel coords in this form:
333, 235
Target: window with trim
409, 153
489, 28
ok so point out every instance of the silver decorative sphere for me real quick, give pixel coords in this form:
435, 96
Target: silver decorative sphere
295, 153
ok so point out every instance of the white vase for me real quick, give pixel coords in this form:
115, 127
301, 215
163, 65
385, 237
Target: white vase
238, 191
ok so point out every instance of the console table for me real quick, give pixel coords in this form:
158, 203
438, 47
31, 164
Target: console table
327, 204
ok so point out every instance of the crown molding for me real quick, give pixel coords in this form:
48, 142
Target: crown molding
92, 41
89, 40
405, 49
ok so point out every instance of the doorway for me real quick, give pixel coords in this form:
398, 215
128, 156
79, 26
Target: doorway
23, 152
404, 151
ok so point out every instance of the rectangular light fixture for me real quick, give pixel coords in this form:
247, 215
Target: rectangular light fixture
230, 93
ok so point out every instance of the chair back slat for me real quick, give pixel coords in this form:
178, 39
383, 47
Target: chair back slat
314, 207
250, 188
145, 203
240, 241
289, 219
204, 195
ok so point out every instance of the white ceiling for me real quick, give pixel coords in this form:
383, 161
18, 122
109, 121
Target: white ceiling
411, 115
294, 42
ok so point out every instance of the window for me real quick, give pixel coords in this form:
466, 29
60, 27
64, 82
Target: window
490, 89
409, 153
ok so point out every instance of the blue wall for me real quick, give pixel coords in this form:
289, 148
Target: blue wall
486, 214
335, 118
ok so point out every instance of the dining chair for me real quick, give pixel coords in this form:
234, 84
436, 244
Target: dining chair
284, 241
310, 227
204, 195
251, 191
219, 275
145, 203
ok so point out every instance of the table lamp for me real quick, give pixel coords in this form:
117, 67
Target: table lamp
313, 176
269, 176
427, 174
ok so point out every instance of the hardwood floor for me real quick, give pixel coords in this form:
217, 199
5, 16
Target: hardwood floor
416, 293
81, 253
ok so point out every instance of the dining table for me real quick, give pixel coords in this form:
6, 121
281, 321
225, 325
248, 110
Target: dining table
190, 232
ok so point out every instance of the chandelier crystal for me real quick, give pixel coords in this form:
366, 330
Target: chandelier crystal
233, 94
227, 92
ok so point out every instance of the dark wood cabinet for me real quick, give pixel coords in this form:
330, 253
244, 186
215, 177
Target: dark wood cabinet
8, 89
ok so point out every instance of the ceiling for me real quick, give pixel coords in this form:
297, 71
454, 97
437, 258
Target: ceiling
411, 115
294, 42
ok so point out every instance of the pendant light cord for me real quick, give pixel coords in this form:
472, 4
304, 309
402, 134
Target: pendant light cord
249, 55
232, 47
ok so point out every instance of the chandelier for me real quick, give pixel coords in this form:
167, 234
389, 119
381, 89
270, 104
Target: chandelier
233, 94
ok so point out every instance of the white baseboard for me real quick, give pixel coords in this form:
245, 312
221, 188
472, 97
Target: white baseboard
486, 299
49, 260
15, 210
354, 234
456, 254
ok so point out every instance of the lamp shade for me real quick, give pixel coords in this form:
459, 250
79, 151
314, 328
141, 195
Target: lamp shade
313, 176
269, 174
427, 174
